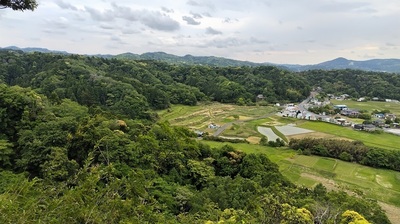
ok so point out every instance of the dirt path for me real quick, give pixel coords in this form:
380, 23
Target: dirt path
391, 211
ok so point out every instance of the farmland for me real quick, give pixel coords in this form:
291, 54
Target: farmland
382, 185
382, 140
379, 184
370, 105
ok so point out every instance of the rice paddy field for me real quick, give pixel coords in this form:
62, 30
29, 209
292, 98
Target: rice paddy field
243, 122
381, 140
382, 185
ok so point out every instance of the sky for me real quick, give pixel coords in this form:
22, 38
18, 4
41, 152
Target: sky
275, 31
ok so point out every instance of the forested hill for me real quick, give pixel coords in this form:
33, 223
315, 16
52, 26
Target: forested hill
79, 143
356, 83
132, 87
378, 65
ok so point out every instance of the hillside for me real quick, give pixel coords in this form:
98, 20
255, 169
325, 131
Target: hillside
80, 142
378, 65
381, 65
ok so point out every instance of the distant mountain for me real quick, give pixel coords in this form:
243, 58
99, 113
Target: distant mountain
380, 65
34, 49
187, 59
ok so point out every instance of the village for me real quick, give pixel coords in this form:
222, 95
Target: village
341, 114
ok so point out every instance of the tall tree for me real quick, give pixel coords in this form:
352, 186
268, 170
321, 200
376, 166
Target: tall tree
19, 4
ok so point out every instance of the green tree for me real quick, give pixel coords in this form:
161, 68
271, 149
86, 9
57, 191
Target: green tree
19, 4
352, 217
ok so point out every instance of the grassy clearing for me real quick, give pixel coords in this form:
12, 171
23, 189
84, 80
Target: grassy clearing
200, 116
380, 184
370, 105
383, 140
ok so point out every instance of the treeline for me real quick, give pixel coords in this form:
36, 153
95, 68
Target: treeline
351, 151
132, 88
62, 162
356, 83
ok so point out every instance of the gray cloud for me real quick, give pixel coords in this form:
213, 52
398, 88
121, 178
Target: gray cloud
100, 16
335, 6
212, 31
190, 20
192, 3
107, 26
59, 23
258, 41
196, 15
201, 4
167, 10
65, 5
152, 19
229, 20
226, 42
158, 21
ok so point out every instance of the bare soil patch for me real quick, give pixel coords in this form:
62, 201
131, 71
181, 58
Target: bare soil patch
329, 184
392, 212
316, 135
253, 139
292, 130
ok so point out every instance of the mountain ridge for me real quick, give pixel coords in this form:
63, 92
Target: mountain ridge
391, 65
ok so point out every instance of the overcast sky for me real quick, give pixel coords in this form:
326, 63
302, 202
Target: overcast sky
277, 31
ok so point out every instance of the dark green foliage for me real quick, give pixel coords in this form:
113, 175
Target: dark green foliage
19, 4
356, 83
221, 139
351, 151
87, 149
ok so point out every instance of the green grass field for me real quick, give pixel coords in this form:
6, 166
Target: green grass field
380, 184
383, 140
200, 116
370, 105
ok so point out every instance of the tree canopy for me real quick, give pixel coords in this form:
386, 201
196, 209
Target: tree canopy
19, 4
80, 143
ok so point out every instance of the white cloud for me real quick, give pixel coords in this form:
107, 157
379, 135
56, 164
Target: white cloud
304, 31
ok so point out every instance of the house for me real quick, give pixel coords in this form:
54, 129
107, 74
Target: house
350, 113
340, 121
379, 116
199, 133
358, 126
388, 100
375, 98
369, 127
379, 123
213, 126
340, 107
361, 99
391, 117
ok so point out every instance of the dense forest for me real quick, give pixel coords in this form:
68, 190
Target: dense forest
351, 151
80, 143
356, 83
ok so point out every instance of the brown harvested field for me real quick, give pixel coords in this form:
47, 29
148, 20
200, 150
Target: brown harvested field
253, 139
316, 135
328, 183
